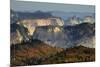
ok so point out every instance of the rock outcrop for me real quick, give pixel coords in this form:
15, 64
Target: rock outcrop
67, 36
24, 29
53, 32
31, 24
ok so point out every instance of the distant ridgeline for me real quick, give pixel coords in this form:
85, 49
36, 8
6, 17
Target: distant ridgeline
15, 16
70, 18
54, 31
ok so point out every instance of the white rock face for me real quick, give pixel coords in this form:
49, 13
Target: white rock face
30, 24
16, 37
89, 19
73, 21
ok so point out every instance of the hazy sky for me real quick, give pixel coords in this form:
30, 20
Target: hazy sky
34, 6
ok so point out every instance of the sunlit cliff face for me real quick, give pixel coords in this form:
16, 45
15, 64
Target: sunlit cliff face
57, 29
31, 24
16, 37
20, 38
